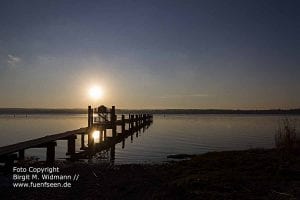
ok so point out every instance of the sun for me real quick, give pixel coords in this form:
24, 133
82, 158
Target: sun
95, 92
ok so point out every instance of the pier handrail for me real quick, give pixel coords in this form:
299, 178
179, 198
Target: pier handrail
39, 141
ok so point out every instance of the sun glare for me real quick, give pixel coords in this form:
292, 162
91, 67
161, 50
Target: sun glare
95, 92
96, 135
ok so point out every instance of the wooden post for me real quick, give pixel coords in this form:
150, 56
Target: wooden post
123, 124
136, 121
123, 143
71, 145
129, 124
82, 141
114, 130
104, 134
22, 154
128, 121
90, 116
101, 135
113, 121
132, 122
113, 114
140, 119
50, 156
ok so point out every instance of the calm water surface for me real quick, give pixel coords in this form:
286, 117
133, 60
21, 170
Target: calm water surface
170, 134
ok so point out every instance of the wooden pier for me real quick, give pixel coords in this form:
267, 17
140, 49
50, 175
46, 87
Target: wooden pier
100, 120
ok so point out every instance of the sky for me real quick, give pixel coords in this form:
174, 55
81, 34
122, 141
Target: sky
233, 54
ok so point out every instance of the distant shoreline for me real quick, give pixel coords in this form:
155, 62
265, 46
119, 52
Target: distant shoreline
12, 111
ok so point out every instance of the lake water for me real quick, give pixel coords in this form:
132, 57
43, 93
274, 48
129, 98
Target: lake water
169, 134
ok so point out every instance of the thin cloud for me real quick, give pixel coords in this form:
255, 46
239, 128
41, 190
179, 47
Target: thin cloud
183, 95
13, 60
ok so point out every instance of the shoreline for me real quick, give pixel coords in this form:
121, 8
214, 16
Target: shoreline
247, 174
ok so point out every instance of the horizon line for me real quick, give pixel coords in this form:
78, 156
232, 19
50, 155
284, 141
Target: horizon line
237, 109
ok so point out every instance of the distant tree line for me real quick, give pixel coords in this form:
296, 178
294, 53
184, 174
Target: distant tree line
213, 111
150, 111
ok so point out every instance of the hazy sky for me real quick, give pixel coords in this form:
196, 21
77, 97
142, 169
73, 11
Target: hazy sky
150, 54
